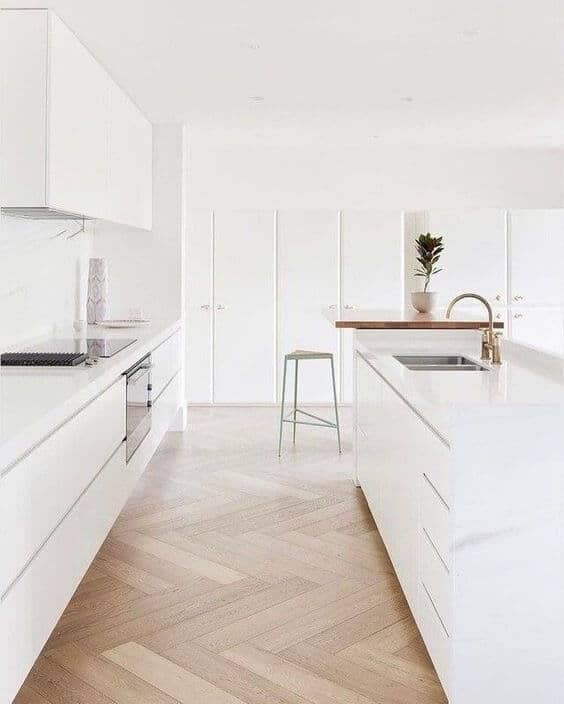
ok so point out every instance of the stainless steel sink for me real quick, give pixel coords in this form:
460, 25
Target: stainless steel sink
439, 363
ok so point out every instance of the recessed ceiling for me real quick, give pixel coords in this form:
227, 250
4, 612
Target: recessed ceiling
487, 72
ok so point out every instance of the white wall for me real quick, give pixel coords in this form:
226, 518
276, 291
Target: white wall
263, 176
42, 277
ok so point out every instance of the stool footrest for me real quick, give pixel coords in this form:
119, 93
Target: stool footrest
323, 421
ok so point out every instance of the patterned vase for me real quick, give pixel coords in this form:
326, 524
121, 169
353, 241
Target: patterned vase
97, 303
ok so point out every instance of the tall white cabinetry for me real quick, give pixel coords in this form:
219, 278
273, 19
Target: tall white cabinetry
244, 314
72, 141
308, 284
536, 263
475, 255
258, 283
371, 272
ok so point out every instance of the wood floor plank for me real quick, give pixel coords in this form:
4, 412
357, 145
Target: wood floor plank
374, 685
181, 606
139, 579
255, 624
248, 605
295, 678
384, 614
231, 677
322, 619
190, 561
167, 676
121, 686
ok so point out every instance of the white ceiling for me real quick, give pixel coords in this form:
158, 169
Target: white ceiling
479, 72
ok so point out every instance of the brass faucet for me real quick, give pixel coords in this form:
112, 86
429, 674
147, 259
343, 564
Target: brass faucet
491, 342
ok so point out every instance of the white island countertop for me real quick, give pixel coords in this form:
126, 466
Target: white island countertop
526, 376
34, 401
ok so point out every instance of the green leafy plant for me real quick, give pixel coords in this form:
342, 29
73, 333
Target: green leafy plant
429, 249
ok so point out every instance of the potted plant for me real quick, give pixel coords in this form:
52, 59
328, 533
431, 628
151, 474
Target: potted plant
429, 249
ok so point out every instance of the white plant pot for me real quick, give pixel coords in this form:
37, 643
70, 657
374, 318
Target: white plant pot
424, 301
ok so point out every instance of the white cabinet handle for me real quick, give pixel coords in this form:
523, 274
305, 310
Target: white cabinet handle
221, 307
518, 315
517, 298
206, 306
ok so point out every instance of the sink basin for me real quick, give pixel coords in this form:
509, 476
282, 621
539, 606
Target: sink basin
439, 363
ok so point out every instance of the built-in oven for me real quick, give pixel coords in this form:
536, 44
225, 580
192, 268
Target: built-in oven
138, 404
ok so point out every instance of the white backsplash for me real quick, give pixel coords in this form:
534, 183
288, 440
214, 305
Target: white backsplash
42, 276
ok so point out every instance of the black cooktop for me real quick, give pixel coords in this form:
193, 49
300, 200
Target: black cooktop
64, 353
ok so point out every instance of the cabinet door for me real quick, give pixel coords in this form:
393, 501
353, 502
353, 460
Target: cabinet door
198, 306
537, 257
371, 271
77, 126
474, 259
308, 284
542, 328
130, 154
245, 317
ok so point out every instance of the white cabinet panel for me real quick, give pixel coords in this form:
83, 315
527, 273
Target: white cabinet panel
308, 284
23, 77
198, 306
77, 121
542, 328
71, 139
474, 259
537, 257
371, 271
130, 153
245, 320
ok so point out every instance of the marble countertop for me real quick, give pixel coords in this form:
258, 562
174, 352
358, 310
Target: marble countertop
526, 376
406, 319
34, 401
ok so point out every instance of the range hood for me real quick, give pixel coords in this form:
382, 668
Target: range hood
41, 213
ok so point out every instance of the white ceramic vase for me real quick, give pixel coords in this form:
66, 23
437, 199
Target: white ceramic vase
97, 302
424, 301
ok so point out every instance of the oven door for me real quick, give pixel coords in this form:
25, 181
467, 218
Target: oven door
138, 408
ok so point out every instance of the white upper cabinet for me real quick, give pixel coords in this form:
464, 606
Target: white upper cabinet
78, 91
307, 285
71, 140
245, 310
474, 258
536, 258
130, 161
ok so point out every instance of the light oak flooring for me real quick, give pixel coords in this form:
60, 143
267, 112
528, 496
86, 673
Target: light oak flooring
232, 576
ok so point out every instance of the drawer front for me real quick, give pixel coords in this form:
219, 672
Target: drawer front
435, 519
436, 578
167, 360
31, 608
39, 490
435, 637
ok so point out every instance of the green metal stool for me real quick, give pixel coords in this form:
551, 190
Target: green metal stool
297, 356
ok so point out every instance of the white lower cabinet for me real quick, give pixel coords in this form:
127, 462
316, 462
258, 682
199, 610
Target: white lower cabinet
397, 453
31, 608
36, 492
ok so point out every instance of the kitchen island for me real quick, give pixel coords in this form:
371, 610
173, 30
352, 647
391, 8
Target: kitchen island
463, 471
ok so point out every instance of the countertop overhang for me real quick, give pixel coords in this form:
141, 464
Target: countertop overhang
405, 319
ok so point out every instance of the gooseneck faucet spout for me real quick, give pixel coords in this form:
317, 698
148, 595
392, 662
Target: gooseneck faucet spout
491, 346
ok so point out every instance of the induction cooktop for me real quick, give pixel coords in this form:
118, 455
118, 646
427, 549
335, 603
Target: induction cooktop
64, 352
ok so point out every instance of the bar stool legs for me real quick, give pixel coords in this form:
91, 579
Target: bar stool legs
292, 417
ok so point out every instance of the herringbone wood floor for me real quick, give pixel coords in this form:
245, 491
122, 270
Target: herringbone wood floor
232, 576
